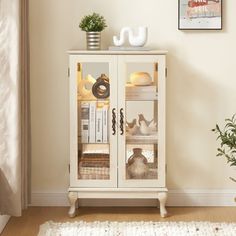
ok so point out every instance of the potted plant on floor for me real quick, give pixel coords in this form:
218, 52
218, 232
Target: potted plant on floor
93, 25
227, 137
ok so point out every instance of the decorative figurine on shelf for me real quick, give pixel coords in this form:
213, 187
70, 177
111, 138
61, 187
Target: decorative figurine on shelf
146, 127
132, 128
146, 130
142, 118
85, 87
135, 41
140, 79
137, 167
101, 88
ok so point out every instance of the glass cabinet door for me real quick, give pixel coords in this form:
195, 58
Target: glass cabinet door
93, 121
141, 106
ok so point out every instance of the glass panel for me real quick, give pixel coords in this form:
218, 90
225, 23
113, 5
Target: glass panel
93, 81
93, 114
141, 121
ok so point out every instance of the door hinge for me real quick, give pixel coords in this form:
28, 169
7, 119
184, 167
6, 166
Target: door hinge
68, 72
69, 168
166, 71
78, 67
156, 67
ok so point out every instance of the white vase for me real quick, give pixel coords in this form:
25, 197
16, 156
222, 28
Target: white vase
136, 41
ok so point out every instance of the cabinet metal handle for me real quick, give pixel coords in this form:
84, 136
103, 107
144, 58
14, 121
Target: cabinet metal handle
113, 121
121, 121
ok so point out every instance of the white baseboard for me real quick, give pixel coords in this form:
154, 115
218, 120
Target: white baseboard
194, 197
3, 221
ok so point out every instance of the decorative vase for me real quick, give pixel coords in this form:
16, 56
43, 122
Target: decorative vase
138, 40
137, 165
93, 40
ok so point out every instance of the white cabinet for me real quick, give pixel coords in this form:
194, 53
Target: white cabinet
117, 126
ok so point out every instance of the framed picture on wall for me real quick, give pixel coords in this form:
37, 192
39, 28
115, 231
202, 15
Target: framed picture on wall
200, 15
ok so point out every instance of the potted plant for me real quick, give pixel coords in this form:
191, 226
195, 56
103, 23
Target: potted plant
227, 137
93, 25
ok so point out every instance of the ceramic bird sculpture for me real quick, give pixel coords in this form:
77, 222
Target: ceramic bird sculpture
153, 126
142, 118
145, 129
132, 127
132, 123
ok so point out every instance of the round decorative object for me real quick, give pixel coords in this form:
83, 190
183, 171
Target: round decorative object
85, 87
137, 165
101, 88
140, 78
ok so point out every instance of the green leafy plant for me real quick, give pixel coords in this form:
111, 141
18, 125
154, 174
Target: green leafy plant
227, 137
93, 23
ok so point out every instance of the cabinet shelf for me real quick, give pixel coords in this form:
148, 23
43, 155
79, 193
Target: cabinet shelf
92, 143
138, 99
142, 139
152, 96
141, 93
81, 99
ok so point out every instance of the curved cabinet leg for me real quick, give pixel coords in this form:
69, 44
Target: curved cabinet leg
73, 199
162, 197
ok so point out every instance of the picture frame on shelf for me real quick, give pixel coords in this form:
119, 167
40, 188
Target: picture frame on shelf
200, 14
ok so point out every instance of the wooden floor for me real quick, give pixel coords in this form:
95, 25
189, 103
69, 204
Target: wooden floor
28, 224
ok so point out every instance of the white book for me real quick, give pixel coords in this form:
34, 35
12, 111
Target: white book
92, 122
105, 123
85, 122
99, 125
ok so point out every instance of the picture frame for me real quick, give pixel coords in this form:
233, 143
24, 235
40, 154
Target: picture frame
200, 14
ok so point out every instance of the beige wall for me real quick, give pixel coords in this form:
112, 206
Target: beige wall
201, 86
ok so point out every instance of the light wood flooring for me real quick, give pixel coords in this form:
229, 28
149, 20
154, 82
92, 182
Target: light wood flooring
28, 224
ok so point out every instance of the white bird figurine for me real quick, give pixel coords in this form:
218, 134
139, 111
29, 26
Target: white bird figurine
132, 123
153, 126
141, 117
145, 129
132, 127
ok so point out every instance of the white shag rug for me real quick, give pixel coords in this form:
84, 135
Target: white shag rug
82, 228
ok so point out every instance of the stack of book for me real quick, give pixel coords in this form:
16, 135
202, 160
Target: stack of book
94, 122
141, 92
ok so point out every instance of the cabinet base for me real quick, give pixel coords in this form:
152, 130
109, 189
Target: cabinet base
117, 193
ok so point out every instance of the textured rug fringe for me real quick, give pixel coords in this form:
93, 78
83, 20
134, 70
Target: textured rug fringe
81, 228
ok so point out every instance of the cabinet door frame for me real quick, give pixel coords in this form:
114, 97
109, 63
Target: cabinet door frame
74, 181
122, 61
